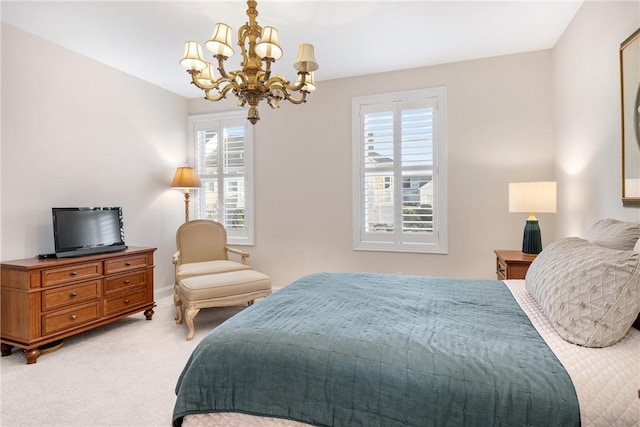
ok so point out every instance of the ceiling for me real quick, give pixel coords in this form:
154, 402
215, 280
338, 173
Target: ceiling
351, 38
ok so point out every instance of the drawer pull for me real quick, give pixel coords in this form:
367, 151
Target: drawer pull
128, 264
127, 301
73, 317
74, 273
127, 281
73, 294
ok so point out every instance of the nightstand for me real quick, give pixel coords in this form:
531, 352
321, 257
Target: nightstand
512, 264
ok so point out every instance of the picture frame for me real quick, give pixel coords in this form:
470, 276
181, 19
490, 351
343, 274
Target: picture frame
630, 109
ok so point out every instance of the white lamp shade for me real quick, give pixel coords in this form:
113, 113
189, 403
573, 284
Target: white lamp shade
269, 45
306, 60
207, 76
192, 58
220, 41
530, 197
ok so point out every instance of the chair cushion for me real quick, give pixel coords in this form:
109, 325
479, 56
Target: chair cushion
209, 267
224, 284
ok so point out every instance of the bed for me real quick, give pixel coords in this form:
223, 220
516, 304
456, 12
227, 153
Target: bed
360, 349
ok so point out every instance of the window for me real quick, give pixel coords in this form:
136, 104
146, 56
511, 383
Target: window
399, 173
221, 150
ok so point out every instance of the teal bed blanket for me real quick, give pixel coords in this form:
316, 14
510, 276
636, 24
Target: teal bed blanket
358, 349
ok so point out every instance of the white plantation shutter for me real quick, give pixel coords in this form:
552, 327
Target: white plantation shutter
222, 155
400, 192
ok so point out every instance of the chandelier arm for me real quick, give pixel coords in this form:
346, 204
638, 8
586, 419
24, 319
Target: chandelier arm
221, 93
233, 78
267, 71
195, 82
300, 85
213, 85
301, 100
276, 79
221, 69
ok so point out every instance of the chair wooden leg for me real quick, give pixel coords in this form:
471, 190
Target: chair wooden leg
178, 303
190, 313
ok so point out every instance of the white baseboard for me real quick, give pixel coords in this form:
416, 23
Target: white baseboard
163, 292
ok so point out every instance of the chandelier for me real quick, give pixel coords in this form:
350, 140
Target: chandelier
252, 83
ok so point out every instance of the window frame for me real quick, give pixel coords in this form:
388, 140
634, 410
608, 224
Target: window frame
218, 121
435, 243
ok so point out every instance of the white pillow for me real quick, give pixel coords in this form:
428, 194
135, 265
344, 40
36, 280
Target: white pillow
590, 294
614, 234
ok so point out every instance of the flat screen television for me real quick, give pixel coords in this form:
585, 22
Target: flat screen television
87, 231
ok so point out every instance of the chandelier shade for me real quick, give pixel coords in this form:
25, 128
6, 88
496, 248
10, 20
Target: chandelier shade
220, 41
207, 75
269, 46
192, 58
260, 47
306, 60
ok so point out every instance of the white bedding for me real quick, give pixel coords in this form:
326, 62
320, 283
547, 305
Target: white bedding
607, 380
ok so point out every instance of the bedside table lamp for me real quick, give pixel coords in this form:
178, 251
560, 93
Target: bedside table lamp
531, 197
186, 178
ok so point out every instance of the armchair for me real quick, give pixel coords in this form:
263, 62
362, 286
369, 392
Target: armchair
204, 274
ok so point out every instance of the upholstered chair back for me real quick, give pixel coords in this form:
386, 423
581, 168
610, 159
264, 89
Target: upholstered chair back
201, 240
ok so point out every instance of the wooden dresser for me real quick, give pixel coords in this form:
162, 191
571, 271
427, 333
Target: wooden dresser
46, 300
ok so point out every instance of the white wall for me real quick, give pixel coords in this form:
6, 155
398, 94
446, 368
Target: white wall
116, 140
500, 130
586, 75
78, 133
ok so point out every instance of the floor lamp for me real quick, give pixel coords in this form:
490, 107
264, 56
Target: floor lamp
186, 178
531, 197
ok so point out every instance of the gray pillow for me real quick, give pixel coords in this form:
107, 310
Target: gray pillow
590, 294
614, 234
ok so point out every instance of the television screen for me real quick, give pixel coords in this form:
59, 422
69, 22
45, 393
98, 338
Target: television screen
85, 231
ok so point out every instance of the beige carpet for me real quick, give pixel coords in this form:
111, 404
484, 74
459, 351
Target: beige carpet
121, 374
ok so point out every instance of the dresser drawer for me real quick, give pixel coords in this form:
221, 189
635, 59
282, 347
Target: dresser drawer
69, 318
501, 269
118, 265
124, 302
58, 276
124, 281
71, 294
